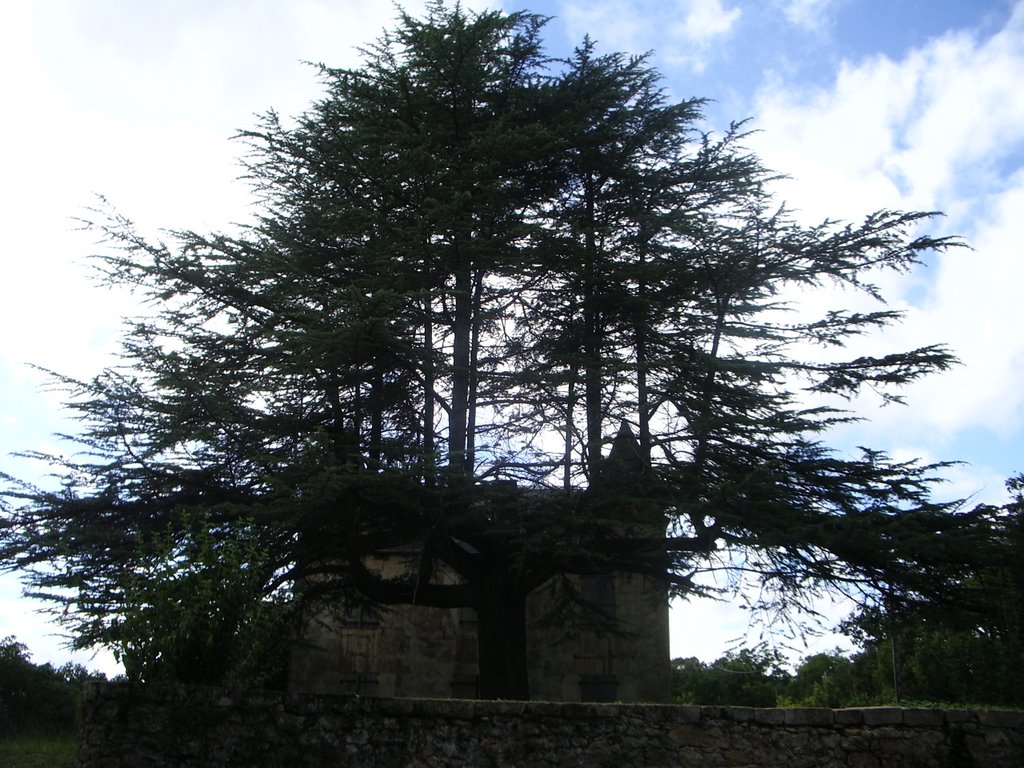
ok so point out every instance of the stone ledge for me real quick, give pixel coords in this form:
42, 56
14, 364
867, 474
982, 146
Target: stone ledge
883, 715
808, 716
769, 716
848, 716
923, 717
470, 709
1001, 718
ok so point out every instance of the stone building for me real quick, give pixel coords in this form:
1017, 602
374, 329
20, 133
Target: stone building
423, 652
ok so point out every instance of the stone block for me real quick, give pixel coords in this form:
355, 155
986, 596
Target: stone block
654, 713
862, 760
883, 716
689, 735
769, 716
686, 714
541, 709
575, 711
1001, 718
741, 714
808, 716
715, 713
606, 710
848, 716
958, 715
923, 717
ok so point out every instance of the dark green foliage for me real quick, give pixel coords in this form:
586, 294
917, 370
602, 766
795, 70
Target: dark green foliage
963, 648
37, 700
196, 613
760, 677
936, 675
57, 751
747, 678
472, 267
966, 647
938, 664
834, 680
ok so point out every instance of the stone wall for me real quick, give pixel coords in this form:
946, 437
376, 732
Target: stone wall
127, 725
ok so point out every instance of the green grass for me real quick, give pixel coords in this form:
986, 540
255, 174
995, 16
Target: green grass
38, 751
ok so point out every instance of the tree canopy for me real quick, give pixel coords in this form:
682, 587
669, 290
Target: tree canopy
474, 270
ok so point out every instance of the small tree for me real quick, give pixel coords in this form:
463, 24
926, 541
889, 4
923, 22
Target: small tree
197, 610
474, 266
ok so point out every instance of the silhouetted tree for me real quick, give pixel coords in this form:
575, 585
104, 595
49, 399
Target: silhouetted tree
472, 267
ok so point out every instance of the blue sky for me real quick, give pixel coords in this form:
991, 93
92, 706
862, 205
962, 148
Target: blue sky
864, 104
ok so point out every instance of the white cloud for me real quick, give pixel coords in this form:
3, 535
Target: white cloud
137, 103
706, 20
812, 15
607, 24
940, 128
682, 32
933, 124
975, 483
707, 629
974, 305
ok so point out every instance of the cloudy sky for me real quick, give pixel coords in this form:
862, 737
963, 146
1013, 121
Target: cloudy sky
863, 104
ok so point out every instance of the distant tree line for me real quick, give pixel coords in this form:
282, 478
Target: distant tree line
37, 699
967, 649
940, 667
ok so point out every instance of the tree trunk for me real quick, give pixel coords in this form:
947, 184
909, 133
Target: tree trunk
458, 417
501, 637
474, 379
593, 375
375, 447
570, 430
428, 392
641, 325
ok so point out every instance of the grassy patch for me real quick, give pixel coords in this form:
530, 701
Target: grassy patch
38, 751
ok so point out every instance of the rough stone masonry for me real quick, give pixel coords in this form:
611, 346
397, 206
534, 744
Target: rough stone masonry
127, 725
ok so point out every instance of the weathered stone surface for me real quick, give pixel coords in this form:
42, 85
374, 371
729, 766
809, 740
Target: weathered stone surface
1001, 718
957, 715
421, 652
686, 713
688, 735
770, 716
882, 715
742, 714
806, 716
919, 717
126, 725
848, 716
